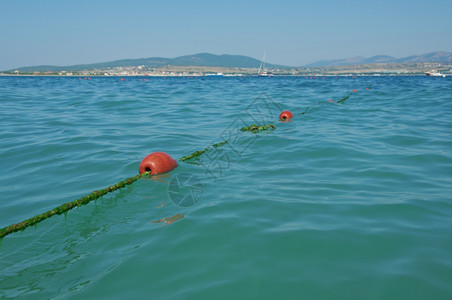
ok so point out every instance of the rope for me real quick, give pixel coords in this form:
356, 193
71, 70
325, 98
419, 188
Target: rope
258, 128
63, 209
343, 99
198, 153
338, 101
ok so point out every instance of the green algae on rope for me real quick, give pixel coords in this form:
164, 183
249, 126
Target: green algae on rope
258, 128
354, 91
198, 153
68, 206
193, 155
343, 99
253, 128
64, 208
220, 144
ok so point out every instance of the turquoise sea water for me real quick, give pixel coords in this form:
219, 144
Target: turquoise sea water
346, 201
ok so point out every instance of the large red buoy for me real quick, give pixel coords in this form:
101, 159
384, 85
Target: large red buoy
157, 163
285, 115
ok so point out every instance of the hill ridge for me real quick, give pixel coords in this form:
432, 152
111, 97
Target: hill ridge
235, 61
200, 59
437, 56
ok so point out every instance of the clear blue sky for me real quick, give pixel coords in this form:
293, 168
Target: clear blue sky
65, 32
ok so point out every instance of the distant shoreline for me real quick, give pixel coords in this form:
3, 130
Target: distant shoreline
207, 76
379, 69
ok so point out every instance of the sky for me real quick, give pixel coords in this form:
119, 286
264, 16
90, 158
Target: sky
295, 33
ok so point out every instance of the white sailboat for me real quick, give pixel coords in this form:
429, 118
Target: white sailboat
263, 72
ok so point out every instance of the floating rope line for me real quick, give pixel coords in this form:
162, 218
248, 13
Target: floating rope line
63, 209
258, 128
348, 96
252, 128
193, 155
307, 110
338, 102
198, 153
343, 99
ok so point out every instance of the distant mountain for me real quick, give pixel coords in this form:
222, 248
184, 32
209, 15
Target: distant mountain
438, 56
338, 62
236, 61
202, 59
379, 59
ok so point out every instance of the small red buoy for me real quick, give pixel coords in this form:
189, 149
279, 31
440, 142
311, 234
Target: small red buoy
354, 91
331, 100
285, 115
157, 163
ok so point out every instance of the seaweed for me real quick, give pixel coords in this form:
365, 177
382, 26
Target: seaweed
258, 128
64, 208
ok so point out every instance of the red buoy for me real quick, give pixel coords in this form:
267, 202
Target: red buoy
285, 115
157, 163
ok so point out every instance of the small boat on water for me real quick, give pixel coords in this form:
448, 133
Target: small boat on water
263, 72
215, 75
434, 74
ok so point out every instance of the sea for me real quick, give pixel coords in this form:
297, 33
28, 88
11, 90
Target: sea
349, 199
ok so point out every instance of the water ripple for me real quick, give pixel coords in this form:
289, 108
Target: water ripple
348, 200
